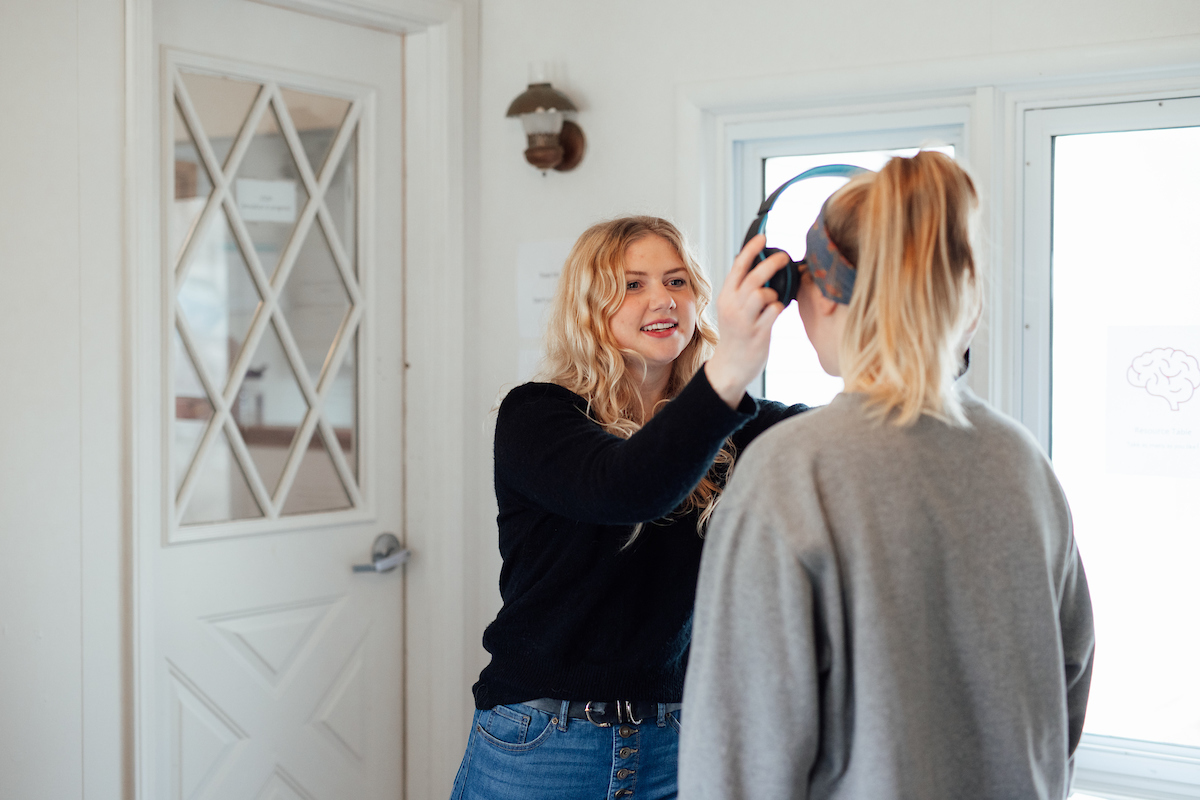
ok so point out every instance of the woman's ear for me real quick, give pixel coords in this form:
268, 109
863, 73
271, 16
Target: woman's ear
969, 333
823, 305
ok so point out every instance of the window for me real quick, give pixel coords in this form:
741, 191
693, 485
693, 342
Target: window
766, 155
1111, 384
793, 373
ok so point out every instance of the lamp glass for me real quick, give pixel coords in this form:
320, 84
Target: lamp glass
542, 122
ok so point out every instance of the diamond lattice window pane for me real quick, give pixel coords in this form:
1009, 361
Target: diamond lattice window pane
192, 187
269, 192
317, 486
314, 301
192, 413
269, 408
222, 104
341, 406
221, 493
218, 299
341, 198
317, 119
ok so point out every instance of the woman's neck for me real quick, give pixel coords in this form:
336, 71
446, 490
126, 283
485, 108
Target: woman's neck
653, 387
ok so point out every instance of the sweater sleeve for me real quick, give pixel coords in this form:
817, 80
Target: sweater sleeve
769, 413
1078, 638
550, 451
755, 665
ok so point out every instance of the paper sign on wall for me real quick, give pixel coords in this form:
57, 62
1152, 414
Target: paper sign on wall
1154, 401
538, 266
266, 201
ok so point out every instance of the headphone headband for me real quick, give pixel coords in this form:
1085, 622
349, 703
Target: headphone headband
830, 262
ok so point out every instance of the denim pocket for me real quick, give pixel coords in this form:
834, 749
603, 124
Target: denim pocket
515, 728
674, 719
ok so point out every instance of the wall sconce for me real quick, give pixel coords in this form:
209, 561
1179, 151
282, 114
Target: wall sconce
554, 141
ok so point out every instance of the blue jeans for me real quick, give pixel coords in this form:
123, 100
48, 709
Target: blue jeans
517, 752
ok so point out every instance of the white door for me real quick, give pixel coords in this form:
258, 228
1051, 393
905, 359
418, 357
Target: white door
273, 671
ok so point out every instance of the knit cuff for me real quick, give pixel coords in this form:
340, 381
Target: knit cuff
700, 393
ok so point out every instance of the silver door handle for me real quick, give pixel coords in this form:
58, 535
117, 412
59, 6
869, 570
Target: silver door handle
386, 555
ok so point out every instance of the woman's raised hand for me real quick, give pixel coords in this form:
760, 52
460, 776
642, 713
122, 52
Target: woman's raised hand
746, 310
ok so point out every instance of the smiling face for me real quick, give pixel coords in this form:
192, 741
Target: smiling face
657, 318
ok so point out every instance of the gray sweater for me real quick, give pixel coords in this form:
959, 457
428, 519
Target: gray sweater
888, 613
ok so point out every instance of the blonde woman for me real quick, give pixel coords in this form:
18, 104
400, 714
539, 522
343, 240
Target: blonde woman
891, 603
606, 473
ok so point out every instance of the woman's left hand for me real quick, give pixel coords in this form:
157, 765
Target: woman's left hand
746, 310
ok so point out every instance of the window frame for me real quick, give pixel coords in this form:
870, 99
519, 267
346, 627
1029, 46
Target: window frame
1040, 124
751, 143
1112, 767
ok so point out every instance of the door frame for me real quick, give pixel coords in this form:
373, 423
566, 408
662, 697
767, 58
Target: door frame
436, 702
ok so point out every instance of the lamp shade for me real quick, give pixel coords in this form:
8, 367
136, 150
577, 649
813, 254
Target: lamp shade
539, 97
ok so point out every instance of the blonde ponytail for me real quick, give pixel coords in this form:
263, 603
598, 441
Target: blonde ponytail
917, 288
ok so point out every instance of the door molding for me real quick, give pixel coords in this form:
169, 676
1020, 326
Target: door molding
416, 16
437, 705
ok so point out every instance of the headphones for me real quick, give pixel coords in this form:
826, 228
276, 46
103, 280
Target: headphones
786, 282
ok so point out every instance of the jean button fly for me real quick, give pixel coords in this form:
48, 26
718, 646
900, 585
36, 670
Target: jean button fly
625, 752
622, 774
625, 731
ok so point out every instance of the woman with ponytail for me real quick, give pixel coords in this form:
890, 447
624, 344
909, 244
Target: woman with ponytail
891, 603
607, 471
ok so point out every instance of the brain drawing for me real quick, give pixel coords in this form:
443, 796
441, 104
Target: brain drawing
1168, 373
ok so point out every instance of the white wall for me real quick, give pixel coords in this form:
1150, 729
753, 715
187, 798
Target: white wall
61, 423
623, 61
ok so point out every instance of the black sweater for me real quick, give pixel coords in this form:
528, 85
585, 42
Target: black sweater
583, 619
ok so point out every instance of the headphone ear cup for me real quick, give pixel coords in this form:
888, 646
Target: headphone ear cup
786, 282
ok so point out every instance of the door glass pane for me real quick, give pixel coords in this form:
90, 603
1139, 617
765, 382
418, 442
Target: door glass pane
317, 486
341, 406
1125, 414
218, 299
192, 187
341, 198
269, 192
317, 119
315, 301
221, 492
269, 408
192, 413
222, 104
793, 373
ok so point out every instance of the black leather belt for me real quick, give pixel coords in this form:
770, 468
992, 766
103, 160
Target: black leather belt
604, 713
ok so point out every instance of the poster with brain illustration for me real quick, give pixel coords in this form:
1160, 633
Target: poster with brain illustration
1153, 402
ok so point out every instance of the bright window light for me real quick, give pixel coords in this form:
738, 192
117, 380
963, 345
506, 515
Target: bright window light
793, 373
1125, 415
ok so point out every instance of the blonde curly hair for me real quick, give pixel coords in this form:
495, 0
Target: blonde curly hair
582, 352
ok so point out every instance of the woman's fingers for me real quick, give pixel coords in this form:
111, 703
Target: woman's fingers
766, 269
753, 292
745, 260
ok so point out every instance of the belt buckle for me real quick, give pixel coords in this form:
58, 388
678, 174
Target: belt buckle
624, 714
587, 712
628, 712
